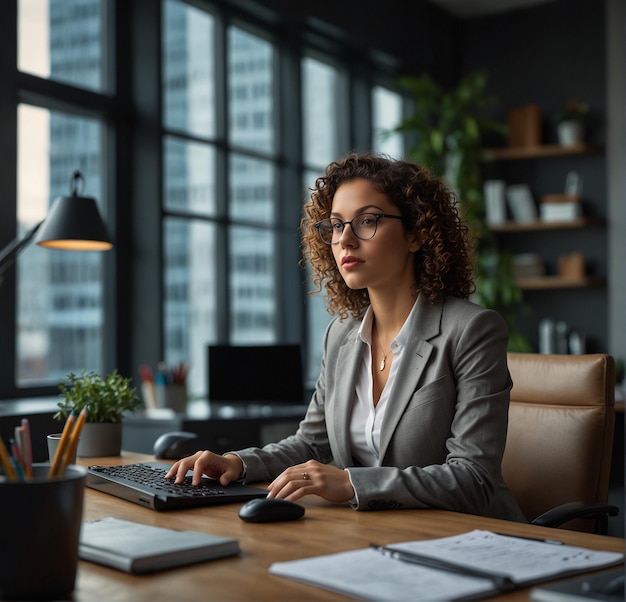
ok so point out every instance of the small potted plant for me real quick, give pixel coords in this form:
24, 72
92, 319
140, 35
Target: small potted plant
570, 123
106, 400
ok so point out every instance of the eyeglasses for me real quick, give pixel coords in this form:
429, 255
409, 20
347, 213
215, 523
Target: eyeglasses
363, 226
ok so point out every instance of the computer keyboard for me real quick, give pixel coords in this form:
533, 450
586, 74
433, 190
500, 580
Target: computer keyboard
155, 479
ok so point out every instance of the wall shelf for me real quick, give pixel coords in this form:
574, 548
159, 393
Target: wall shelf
535, 283
534, 152
581, 222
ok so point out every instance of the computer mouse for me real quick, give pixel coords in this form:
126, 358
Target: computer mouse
176, 445
267, 510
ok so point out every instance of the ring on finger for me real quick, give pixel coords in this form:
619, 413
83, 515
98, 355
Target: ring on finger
305, 476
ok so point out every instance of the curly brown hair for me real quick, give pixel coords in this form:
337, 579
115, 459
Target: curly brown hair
443, 264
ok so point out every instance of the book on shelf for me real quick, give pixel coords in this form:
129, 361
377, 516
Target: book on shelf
495, 206
504, 563
521, 203
528, 264
137, 548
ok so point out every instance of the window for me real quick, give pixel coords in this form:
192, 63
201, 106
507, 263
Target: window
251, 250
59, 293
387, 114
60, 309
214, 244
250, 98
252, 191
230, 166
321, 103
62, 40
212, 149
188, 69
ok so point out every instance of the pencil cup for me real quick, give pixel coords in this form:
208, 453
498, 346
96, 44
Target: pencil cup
173, 397
40, 526
53, 443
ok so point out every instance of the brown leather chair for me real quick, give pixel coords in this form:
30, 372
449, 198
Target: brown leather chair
558, 451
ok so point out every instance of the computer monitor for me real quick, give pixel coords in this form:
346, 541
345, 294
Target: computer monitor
255, 374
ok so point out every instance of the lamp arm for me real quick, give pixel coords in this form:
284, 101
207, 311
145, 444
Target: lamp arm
8, 254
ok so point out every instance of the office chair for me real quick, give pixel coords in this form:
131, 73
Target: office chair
557, 457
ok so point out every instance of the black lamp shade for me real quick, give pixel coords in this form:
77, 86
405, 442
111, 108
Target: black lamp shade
74, 223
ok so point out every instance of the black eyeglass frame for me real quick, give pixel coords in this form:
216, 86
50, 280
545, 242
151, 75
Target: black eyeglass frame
377, 216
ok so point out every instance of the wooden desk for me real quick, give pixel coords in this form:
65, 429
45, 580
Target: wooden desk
326, 528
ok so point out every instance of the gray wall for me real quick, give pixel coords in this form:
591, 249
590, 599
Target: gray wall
616, 161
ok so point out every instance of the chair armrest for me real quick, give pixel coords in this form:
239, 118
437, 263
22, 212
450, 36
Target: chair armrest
566, 512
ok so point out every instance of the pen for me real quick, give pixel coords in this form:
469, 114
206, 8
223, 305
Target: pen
16, 454
502, 582
145, 372
160, 378
554, 542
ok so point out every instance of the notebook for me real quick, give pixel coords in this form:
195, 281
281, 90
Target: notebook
144, 484
240, 374
137, 548
511, 563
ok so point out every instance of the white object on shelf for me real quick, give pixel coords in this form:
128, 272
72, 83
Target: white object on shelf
560, 212
570, 133
495, 207
577, 343
521, 203
573, 183
547, 336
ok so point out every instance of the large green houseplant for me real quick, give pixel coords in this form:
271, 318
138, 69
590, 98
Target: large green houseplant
106, 399
447, 130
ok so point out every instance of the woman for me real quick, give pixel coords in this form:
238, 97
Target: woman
410, 408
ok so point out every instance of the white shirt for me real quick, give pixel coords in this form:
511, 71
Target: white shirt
367, 419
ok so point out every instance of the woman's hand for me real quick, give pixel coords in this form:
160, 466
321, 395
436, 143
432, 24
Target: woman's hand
331, 483
224, 468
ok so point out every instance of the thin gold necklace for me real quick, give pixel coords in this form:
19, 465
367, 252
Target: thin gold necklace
383, 362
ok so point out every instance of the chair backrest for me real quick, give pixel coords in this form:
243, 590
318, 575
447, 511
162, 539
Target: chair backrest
561, 428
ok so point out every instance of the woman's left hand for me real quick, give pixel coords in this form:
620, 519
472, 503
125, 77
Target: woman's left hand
312, 477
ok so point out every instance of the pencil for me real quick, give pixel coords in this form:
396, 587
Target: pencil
27, 452
73, 443
6, 462
16, 454
19, 452
18, 469
58, 454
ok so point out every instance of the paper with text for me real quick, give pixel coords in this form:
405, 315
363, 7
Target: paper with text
369, 575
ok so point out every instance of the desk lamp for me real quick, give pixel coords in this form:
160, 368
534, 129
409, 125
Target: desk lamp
73, 223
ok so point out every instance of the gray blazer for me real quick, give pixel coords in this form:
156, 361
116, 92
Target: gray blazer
444, 428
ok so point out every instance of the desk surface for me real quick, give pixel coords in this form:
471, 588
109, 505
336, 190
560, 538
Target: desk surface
326, 528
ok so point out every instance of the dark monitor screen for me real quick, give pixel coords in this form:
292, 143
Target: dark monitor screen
259, 373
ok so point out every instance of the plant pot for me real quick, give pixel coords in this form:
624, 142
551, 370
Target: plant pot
100, 439
570, 133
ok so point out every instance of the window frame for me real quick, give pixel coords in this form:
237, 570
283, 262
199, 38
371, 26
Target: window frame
131, 118
27, 89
